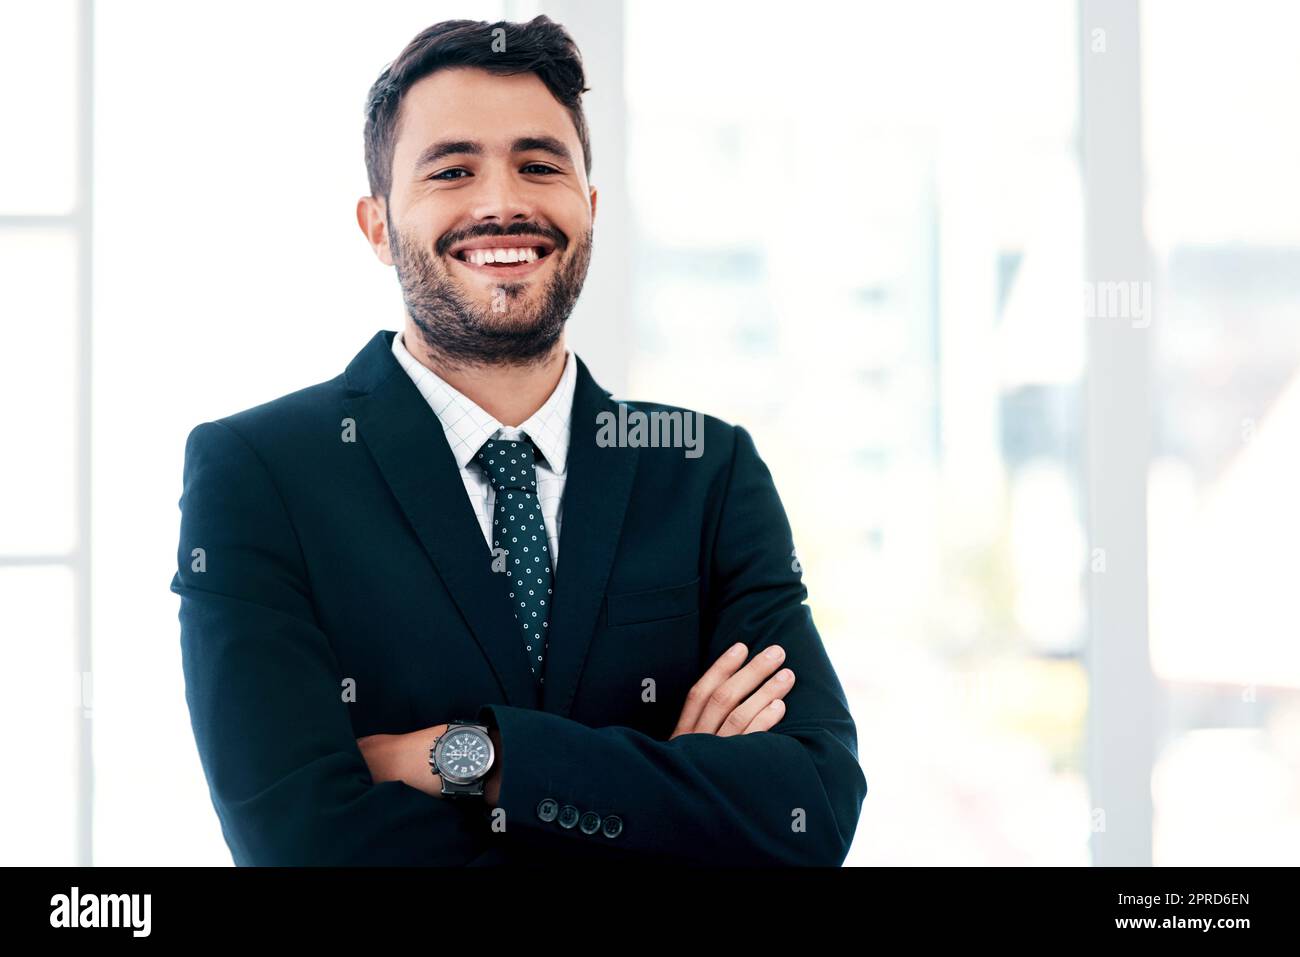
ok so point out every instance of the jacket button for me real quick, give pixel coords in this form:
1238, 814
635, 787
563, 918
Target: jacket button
547, 809
590, 823
568, 816
613, 826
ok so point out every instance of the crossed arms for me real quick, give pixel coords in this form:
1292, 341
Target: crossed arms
291, 783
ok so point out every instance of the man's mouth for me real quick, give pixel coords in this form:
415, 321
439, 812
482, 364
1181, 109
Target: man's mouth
506, 260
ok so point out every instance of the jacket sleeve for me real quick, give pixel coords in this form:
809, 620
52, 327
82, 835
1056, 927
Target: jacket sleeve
265, 695
790, 796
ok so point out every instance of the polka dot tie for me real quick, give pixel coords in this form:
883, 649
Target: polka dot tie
517, 526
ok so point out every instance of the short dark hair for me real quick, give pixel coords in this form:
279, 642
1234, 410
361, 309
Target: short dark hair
539, 46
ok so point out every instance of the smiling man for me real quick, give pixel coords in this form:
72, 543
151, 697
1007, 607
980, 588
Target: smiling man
385, 661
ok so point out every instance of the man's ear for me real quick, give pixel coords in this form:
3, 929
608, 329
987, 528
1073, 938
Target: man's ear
593, 204
373, 220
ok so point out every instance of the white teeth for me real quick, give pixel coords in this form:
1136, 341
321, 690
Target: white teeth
513, 254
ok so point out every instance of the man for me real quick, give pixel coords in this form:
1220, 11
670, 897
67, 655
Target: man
386, 662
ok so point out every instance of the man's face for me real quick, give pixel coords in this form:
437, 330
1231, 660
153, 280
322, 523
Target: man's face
486, 162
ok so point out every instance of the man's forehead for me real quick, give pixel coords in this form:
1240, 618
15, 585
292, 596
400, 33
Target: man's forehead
460, 80
480, 99
472, 104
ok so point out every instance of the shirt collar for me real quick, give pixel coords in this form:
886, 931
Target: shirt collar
467, 426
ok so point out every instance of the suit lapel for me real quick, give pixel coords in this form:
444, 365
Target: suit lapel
406, 440
597, 487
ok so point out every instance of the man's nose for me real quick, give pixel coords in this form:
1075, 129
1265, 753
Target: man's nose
503, 199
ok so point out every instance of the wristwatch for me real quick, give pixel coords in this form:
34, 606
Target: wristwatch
462, 756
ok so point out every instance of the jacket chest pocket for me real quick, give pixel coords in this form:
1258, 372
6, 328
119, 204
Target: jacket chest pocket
653, 604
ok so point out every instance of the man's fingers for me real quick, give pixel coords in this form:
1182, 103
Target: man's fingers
722, 669
743, 716
767, 717
729, 695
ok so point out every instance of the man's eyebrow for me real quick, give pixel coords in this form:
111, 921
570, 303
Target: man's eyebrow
542, 144
524, 144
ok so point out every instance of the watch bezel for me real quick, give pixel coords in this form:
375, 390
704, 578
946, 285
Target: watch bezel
435, 758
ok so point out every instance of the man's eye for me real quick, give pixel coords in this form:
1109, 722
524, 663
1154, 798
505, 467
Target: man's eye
445, 175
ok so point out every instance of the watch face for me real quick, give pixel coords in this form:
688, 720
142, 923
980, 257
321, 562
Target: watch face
464, 756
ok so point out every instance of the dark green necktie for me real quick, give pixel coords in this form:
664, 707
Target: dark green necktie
518, 527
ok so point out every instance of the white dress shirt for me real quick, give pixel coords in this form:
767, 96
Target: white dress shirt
467, 427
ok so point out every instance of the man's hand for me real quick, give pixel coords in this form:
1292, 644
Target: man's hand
724, 702
403, 757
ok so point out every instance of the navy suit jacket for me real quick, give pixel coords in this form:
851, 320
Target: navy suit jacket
309, 565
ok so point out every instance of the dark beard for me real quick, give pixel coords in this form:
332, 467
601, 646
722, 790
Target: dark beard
457, 332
